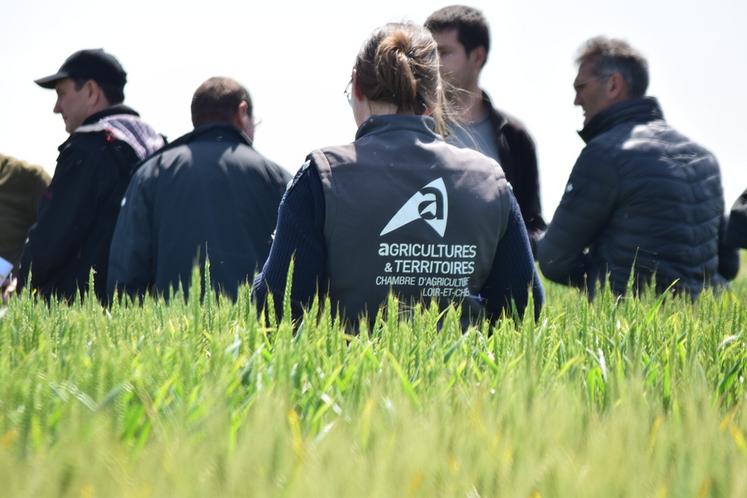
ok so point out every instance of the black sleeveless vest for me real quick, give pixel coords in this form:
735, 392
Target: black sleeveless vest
408, 212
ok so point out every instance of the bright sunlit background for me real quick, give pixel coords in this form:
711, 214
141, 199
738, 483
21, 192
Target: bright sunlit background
295, 59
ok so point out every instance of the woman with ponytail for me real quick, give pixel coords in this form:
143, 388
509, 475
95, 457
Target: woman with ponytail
399, 209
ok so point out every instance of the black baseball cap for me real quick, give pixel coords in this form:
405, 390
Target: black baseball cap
90, 64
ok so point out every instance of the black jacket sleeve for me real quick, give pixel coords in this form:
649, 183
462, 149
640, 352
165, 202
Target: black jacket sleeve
526, 187
736, 233
131, 266
519, 160
589, 199
67, 211
728, 256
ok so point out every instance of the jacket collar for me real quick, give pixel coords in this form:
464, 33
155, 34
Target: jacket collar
214, 130
397, 122
496, 118
94, 122
109, 111
638, 110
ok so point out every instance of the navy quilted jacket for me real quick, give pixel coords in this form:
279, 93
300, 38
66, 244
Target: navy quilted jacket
641, 195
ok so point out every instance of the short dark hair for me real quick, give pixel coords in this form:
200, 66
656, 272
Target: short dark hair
471, 25
610, 55
216, 100
114, 93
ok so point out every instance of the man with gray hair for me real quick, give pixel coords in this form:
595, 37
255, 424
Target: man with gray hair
641, 198
206, 196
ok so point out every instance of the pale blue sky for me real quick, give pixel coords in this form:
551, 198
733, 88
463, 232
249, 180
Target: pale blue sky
295, 60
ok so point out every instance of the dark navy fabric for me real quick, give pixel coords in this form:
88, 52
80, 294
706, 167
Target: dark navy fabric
406, 211
642, 196
207, 195
737, 231
78, 211
300, 235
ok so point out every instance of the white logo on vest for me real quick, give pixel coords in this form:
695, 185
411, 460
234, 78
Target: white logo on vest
430, 203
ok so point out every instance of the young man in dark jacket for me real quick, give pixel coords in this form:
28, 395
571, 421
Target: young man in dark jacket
206, 196
641, 195
463, 39
79, 209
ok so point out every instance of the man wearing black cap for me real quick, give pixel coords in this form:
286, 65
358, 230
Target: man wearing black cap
79, 209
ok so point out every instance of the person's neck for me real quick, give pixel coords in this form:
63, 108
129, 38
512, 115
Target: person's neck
96, 111
373, 108
470, 106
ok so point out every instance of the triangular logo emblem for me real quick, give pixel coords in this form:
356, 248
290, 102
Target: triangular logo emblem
430, 204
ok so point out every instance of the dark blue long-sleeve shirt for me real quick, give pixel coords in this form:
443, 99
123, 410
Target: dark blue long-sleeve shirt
300, 235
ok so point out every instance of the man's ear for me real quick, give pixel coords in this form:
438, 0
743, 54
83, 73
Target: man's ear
355, 88
243, 108
478, 55
617, 88
91, 88
243, 121
96, 94
237, 118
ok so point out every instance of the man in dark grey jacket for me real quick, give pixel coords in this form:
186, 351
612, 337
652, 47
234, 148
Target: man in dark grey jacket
207, 195
641, 195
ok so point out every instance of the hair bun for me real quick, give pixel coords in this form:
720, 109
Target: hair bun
393, 69
399, 64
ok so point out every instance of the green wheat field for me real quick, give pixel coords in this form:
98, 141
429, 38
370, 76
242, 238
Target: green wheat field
618, 398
